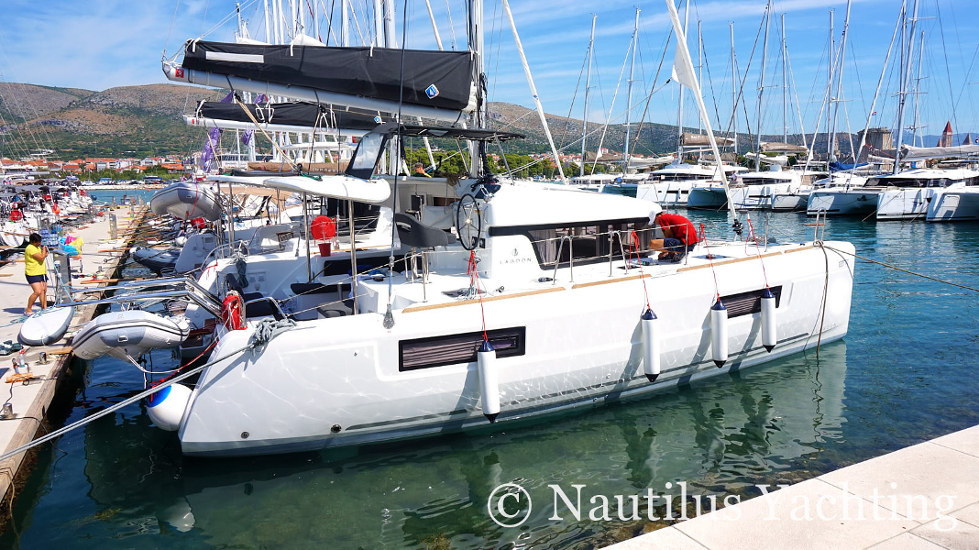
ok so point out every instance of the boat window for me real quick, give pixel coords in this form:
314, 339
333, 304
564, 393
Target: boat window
365, 157
588, 242
437, 351
763, 181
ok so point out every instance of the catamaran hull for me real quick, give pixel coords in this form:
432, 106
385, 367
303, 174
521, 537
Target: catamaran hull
707, 198
955, 206
350, 381
667, 194
906, 204
840, 202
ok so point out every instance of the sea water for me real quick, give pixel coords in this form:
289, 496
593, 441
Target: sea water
905, 373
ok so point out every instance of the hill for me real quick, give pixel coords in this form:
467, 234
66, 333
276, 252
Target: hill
145, 120
132, 121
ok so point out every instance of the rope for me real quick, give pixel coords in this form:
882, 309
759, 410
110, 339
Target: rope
635, 246
710, 258
908, 271
268, 329
134, 399
822, 313
473, 273
754, 237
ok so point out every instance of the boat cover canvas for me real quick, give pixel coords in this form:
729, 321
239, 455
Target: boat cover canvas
923, 153
298, 113
441, 79
776, 147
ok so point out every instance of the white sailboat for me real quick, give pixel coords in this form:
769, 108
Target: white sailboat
530, 307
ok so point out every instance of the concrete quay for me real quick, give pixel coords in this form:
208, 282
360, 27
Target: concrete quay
32, 398
921, 497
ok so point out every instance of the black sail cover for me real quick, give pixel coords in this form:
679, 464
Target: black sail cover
440, 79
297, 113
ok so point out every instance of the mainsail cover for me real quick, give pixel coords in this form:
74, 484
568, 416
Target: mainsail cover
440, 79
778, 147
923, 153
297, 113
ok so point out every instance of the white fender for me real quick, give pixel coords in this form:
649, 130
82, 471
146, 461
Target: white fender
489, 382
650, 345
718, 333
166, 407
768, 325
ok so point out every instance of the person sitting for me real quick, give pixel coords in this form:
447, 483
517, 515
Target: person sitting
679, 236
420, 171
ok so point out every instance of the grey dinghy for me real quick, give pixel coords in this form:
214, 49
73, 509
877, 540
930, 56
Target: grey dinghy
186, 200
125, 334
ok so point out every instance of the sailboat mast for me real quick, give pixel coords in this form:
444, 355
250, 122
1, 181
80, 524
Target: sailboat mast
389, 36
378, 25
734, 92
679, 109
905, 77
917, 95
533, 88
345, 23
761, 84
785, 88
584, 118
839, 86
628, 99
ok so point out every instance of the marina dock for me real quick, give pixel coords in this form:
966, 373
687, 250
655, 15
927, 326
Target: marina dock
923, 496
31, 398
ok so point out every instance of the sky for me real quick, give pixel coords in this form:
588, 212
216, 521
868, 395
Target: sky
106, 43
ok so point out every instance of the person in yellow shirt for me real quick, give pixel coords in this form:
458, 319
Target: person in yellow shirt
36, 271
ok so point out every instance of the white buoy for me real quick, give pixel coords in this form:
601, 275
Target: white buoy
718, 333
650, 345
768, 334
166, 407
489, 382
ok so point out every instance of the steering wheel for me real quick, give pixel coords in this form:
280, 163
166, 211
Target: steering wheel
469, 221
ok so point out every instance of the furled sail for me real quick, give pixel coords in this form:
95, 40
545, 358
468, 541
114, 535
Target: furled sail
777, 147
702, 140
441, 80
922, 153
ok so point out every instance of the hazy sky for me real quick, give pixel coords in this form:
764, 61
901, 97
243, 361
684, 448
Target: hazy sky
105, 43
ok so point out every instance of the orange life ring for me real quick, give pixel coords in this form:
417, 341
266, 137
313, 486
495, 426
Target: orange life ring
233, 311
16, 215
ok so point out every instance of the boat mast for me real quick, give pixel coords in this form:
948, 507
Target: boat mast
905, 77
839, 86
533, 88
785, 88
917, 95
761, 85
584, 118
378, 24
478, 117
344, 23
685, 76
734, 92
679, 110
880, 81
628, 99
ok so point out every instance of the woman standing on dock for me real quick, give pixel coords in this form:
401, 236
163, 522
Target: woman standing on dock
37, 273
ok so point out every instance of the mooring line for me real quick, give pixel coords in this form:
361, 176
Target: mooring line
908, 271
